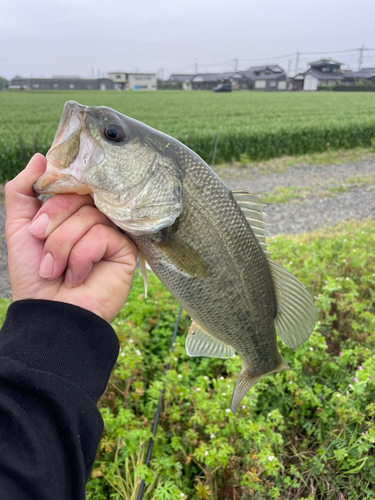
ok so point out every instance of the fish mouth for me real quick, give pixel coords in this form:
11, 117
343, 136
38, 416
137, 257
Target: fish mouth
73, 151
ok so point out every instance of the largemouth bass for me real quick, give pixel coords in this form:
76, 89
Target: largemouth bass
205, 243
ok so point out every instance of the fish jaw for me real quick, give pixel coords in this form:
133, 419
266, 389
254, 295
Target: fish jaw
73, 151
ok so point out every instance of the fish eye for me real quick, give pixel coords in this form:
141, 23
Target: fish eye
114, 132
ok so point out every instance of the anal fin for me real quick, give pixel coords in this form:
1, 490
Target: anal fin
246, 380
201, 343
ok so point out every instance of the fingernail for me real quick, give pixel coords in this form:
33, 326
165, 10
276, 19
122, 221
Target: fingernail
39, 226
68, 278
46, 267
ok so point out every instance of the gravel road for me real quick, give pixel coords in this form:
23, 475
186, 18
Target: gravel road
295, 216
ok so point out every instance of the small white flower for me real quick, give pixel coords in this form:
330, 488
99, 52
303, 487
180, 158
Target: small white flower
206, 453
227, 410
350, 385
223, 394
344, 239
212, 436
290, 382
182, 495
228, 386
175, 359
180, 393
290, 262
198, 388
131, 340
338, 395
221, 378
205, 377
122, 354
179, 375
354, 250
271, 457
138, 352
311, 348
344, 260
243, 406
347, 279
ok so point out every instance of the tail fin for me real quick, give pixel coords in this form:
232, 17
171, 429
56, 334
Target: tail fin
246, 380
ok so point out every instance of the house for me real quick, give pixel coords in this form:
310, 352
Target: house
61, 83
178, 81
205, 81
324, 72
271, 77
133, 81
365, 75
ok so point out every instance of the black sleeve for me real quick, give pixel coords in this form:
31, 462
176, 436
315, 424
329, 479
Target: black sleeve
55, 361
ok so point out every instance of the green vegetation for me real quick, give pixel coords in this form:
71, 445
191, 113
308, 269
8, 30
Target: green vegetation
307, 433
285, 194
254, 125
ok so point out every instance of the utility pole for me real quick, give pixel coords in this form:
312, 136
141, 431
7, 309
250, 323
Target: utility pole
236, 65
360, 57
297, 61
289, 67
196, 66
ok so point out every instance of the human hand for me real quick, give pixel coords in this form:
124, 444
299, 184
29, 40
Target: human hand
70, 253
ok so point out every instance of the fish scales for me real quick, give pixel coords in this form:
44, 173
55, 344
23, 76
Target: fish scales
229, 247
197, 236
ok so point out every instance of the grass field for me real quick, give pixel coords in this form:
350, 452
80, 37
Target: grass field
253, 125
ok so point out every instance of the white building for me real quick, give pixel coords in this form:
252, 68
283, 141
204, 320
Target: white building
133, 81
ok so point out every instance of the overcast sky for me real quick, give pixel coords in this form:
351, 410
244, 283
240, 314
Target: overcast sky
84, 37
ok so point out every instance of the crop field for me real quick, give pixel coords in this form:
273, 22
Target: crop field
307, 433
253, 125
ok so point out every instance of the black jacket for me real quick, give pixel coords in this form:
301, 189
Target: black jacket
55, 361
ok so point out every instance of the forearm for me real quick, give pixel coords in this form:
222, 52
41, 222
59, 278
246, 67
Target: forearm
55, 361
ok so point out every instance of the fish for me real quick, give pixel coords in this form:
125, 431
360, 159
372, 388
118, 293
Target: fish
206, 243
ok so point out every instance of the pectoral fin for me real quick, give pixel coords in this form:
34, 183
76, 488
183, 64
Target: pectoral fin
182, 255
201, 343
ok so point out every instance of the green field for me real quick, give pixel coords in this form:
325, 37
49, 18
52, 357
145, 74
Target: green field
253, 125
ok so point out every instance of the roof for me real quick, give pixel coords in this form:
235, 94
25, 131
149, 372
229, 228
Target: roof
320, 75
323, 62
207, 77
180, 78
273, 76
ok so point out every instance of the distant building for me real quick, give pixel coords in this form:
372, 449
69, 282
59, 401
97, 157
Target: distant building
268, 78
177, 81
133, 81
324, 72
328, 73
205, 81
61, 83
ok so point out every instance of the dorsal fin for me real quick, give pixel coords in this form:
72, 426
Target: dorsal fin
252, 211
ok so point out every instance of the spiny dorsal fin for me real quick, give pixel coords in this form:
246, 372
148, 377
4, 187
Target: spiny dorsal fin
201, 343
296, 315
252, 210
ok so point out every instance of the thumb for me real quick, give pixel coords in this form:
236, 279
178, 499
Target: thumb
20, 199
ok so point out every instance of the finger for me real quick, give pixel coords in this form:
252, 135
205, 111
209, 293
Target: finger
61, 241
20, 199
101, 243
55, 211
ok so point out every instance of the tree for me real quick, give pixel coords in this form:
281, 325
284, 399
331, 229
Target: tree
3, 83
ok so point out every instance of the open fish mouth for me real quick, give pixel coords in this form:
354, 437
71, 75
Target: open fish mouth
73, 151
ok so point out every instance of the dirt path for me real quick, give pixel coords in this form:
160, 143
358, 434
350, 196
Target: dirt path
336, 192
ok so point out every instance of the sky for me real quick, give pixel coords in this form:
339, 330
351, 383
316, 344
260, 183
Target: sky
92, 37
